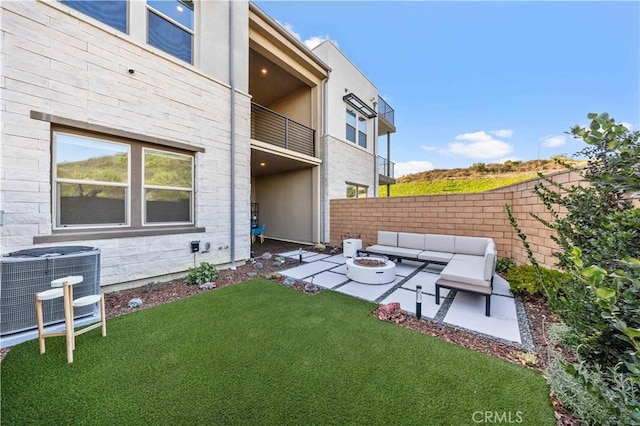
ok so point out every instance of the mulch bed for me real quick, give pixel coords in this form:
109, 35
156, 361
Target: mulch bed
539, 314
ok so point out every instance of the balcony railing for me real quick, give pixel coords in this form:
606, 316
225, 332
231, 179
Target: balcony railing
276, 129
385, 167
385, 111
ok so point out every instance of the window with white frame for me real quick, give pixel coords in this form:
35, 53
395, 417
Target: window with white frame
351, 125
362, 131
356, 128
110, 12
170, 27
355, 190
101, 182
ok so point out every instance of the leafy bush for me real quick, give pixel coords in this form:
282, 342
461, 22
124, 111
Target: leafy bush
562, 334
524, 279
597, 229
205, 273
595, 397
504, 264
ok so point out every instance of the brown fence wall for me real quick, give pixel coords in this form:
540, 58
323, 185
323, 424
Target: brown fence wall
475, 215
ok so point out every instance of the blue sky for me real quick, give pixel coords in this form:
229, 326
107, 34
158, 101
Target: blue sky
483, 81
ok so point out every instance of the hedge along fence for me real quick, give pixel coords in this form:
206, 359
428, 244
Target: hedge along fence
473, 215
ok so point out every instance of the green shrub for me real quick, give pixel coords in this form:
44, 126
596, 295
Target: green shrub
596, 227
504, 264
596, 396
564, 335
205, 273
523, 279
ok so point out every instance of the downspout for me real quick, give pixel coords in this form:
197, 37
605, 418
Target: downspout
323, 171
232, 141
376, 177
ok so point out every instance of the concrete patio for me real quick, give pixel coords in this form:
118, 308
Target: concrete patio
507, 323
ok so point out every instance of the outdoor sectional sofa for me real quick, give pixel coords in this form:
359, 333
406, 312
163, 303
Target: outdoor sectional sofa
470, 261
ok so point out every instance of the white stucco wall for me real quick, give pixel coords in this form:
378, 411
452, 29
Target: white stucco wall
346, 161
56, 61
347, 165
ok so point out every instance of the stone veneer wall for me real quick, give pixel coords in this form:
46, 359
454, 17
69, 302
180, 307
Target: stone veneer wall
475, 215
57, 63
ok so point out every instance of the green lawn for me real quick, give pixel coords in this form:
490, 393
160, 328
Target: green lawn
261, 353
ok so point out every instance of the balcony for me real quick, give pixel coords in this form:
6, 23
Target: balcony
386, 117
385, 171
276, 129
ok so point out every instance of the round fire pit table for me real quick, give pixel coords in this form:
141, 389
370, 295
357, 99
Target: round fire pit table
371, 270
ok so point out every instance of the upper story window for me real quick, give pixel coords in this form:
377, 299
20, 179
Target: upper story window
356, 128
351, 125
170, 27
100, 182
362, 131
111, 12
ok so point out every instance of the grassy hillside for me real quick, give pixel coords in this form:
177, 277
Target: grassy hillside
477, 178
452, 186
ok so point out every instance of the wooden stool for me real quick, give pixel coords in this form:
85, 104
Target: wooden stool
67, 284
46, 295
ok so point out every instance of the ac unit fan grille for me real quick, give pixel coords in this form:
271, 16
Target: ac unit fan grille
23, 277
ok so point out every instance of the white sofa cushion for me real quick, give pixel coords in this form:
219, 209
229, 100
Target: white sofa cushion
435, 256
490, 260
412, 241
437, 242
471, 245
386, 238
394, 251
466, 271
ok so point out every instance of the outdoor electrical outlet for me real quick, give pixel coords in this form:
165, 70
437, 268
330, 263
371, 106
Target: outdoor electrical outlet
195, 246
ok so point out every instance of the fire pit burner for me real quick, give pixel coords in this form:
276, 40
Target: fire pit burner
367, 270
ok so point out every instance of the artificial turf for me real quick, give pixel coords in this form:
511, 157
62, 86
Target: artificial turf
261, 353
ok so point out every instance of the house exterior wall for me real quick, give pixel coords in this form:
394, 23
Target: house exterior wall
474, 215
297, 106
57, 61
287, 205
343, 165
346, 161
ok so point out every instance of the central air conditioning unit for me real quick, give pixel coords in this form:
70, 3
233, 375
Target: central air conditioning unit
27, 272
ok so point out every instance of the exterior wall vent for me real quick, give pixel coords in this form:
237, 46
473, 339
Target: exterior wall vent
27, 272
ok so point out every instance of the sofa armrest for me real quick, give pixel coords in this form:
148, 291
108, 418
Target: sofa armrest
490, 259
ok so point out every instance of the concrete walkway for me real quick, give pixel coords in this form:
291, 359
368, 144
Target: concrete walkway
507, 323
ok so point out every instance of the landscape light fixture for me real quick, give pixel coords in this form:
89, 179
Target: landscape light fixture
418, 301
300, 254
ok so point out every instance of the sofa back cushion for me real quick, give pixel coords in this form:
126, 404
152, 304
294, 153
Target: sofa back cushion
386, 238
490, 255
409, 240
471, 245
437, 242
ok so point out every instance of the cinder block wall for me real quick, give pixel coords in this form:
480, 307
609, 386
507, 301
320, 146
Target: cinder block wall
475, 215
525, 203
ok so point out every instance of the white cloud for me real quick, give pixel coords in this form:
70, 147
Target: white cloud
290, 29
409, 167
429, 148
477, 145
553, 141
629, 126
504, 133
311, 42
